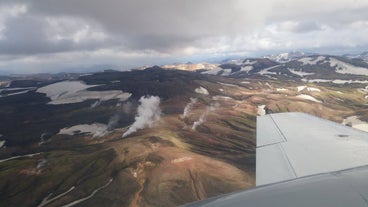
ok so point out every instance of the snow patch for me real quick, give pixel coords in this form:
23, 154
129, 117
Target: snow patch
311, 60
310, 89
299, 73
348, 81
201, 90
218, 98
346, 68
365, 89
337, 81
18, 91
226, 72
282, 89
75, 92
261, 110
246, 68
182, 159
308, 97
266, 71
300, 88
20, 156
214, 71
2, 143
94, 129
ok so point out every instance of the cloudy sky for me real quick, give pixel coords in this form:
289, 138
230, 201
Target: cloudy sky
55, 35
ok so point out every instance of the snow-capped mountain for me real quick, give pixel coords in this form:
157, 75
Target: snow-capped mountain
191, 66
363, 56
314, 68
298, 66
286, 57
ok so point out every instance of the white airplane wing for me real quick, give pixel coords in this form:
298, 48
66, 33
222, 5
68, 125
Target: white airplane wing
303, 160
293, 145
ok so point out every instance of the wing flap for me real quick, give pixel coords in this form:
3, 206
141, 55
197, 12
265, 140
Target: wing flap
309, 145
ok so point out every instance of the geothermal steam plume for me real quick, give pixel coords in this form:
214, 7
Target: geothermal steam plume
147, 113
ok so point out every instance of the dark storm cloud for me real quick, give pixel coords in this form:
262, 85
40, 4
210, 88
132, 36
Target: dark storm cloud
27, 36
158, 25
31, 34
164, 25
136, 30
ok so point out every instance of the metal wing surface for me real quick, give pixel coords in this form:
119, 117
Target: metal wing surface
293, 145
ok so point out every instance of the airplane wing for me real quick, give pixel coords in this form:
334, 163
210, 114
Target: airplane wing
303, 160
293, 145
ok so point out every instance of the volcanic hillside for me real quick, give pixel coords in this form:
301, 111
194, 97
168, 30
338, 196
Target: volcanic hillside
157, 137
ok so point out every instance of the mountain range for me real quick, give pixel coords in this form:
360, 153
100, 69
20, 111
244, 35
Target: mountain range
162, 135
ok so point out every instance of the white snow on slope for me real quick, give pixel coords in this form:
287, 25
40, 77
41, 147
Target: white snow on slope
75, 91
2, 143
266, 71
348, 81
261, 110
316, 80
219, 98
246, 68
18, 91
299, 73
363, 90
311, 60
13, 94
226, 72
95, 129
310, 89
281, 89
181, 159
201, 90
337, 81
308, 97
214, 71
19, 156
300, 88
346, 68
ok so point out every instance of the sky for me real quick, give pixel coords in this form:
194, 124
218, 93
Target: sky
73, 35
